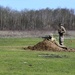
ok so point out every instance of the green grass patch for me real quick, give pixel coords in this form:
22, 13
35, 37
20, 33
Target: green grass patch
18, 41
70, 43
16, 61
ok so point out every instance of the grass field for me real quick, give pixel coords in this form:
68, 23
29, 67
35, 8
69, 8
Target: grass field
16, 61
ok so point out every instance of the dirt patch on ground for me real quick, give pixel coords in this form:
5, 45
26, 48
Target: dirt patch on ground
47, 45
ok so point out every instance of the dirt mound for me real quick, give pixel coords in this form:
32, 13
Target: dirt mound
47, 45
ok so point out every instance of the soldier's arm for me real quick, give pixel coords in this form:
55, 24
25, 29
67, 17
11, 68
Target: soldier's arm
63, 30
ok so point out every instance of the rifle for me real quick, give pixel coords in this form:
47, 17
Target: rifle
47, 37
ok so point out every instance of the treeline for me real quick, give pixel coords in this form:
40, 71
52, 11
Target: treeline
43, 19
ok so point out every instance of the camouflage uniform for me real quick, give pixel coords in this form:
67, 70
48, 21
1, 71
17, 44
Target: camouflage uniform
61, 31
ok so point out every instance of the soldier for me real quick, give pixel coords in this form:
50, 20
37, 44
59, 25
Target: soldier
61, 32
52, 38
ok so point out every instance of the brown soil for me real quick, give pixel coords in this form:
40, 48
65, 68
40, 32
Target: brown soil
47, 45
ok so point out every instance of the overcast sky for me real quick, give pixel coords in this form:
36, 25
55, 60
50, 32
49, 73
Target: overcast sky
37, 4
